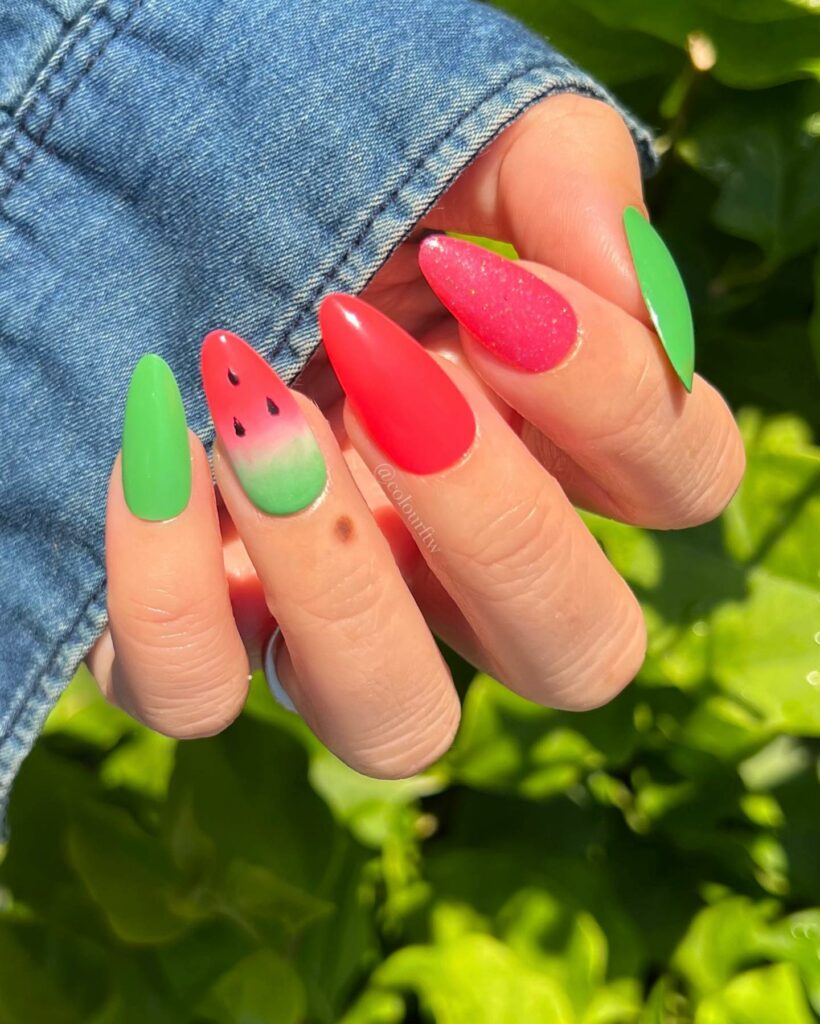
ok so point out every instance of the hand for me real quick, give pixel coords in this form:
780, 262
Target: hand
445, 501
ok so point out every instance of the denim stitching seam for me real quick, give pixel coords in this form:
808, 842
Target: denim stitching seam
578, 85
40, 92
306, 305
70, 41
85, 613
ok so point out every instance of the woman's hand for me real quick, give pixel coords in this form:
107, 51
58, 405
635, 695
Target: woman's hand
440, 498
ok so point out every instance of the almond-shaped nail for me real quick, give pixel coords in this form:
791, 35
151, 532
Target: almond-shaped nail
404, 399
264, 433
663, 292
514, 314
156, 455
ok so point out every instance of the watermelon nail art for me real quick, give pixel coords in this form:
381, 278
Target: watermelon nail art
265, 435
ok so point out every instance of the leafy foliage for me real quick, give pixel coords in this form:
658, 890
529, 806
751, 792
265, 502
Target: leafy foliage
653, 862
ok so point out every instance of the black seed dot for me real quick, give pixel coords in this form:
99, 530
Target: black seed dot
238, 429
273, 408
232, 377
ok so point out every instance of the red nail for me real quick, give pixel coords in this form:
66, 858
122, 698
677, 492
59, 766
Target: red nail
513, 313
407, 403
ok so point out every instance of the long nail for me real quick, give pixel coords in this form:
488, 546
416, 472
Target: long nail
265, 435
156, 456
513, 313
663, 292
405, 400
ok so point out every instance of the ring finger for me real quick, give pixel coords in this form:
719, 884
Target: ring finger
559, 624
596, 383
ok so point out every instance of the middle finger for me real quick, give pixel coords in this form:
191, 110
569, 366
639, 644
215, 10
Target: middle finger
559, 624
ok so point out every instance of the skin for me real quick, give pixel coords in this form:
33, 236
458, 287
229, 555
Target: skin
517, 583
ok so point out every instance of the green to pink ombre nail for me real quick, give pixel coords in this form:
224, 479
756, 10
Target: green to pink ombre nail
156, 457
664, 293
262, 429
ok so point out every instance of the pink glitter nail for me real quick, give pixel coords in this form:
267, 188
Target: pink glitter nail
514, 314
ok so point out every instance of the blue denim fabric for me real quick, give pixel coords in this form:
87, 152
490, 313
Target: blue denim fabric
167, 166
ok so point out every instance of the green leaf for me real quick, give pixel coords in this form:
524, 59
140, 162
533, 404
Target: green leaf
665, 1004
373, 809
24, 984
263, 988
128, 873
814, 323
597, 47
738, 605
768, 995
796, 940
444, 979
376, 1007
721, 939
765, 156
206, 951
769, 46
501, 248
142, 763
508, 744
247, 791
48, 795
258, 896
340, 949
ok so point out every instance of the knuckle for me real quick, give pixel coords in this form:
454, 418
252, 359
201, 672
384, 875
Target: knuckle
208, 691
630, 428
514, 542
603, 659
636, 437
409, 743
588, 122
607, 667
718, 477
187, 675
351, 601
212, 713
702, 494
554, 459
162, 614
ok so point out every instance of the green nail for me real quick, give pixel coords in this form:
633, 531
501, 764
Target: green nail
663, 292
156, 458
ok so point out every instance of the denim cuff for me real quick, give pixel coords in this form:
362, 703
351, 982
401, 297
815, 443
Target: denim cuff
168, 166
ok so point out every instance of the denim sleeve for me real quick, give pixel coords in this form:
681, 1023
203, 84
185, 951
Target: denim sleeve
167, 166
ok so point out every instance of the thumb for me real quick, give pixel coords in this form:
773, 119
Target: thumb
555, 185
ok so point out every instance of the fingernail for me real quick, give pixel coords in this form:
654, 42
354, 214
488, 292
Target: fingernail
515, 315
406, 402
263, 431
663, 292
493, 244
156, 456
